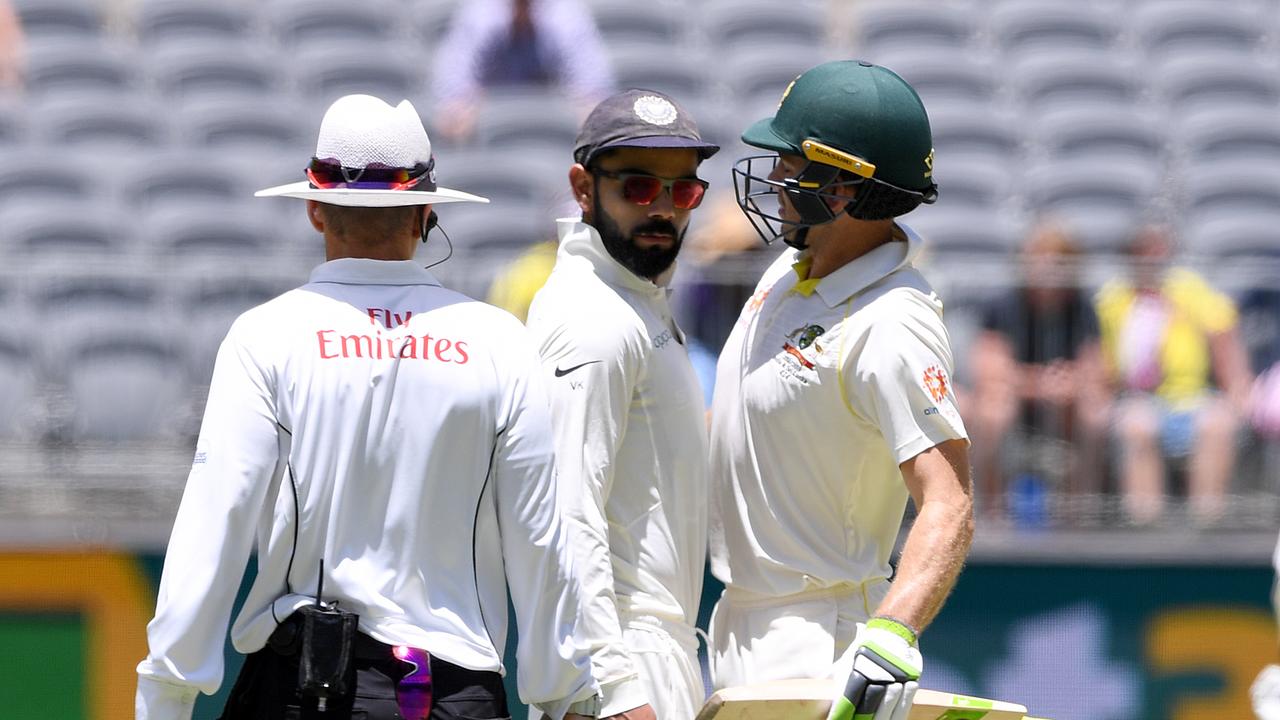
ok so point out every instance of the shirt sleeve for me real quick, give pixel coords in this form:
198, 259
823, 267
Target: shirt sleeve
538, 546
237, 454
897, 377
592, 369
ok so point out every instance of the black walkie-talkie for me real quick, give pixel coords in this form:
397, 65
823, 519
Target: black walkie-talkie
327, 661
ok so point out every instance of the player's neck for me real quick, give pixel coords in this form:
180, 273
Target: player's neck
844, 240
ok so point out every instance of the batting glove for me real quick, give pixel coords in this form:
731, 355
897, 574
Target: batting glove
885, 674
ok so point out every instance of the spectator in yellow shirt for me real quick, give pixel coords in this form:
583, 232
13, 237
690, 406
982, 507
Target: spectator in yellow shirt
1163, 331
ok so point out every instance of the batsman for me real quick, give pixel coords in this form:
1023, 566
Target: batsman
833, 404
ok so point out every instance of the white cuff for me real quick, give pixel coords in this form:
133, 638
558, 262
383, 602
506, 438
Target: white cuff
622, 695
160, 700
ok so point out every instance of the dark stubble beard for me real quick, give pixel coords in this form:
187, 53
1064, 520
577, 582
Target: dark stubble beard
648, 263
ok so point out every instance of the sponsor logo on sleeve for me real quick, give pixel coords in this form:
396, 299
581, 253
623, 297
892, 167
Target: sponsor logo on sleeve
935, 382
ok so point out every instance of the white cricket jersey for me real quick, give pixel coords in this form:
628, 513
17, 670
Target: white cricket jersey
823, 388
630, 431
407, 426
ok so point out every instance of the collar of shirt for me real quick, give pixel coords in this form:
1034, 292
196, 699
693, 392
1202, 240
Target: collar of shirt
363, 271
860, 273
578, 239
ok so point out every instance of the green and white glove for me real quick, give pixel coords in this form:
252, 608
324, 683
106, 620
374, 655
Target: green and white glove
885, 674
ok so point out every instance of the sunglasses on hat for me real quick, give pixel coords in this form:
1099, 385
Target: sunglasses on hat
642, 189
329, 174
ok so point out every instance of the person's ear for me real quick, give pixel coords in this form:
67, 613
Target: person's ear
583, 188
315, 214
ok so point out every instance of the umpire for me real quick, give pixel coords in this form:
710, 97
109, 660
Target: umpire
387, 441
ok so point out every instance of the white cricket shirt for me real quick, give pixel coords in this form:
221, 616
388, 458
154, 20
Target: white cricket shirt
823, 388
412, 425
630, 432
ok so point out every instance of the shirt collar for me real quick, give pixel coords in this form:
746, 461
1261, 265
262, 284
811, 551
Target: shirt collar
363, 271
578, 239
860, 273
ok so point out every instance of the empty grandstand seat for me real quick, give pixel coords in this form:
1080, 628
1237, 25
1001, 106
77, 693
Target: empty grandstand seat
232, 230
32, 175
1100, 130
70, 226
14, 123
1228, 133
387, 70
1230, 187
505, 178
1187, 83
1050, 80
170, 178
81, 67
514, 229
333, 24
432, 18
213, 300
629, 21
526, 118
885, 24
1030, 26
971, 179
763, 24
676, 71
1102, 205
161, 22
975, 129
940, 76
196, 70
1169, 29
106, 129
1234, 236
756, 79
56, 19
19, 368
965, 230
269, 125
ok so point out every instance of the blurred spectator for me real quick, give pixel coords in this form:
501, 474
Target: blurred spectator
12, 48
515, 285
517, 43
1038, 379
1260, 310
1162, 332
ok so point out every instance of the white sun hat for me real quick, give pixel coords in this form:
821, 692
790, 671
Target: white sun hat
370, 154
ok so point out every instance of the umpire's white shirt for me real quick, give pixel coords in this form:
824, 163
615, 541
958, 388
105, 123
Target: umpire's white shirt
631, 433
823, 388
407, 426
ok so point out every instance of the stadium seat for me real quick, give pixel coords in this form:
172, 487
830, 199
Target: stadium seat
248, 124
1049, 80
1230, 187
213, 300
1102, 204
508, 119
514, 228
1027, 27
627, 21
391, 71
762, 24
1188, 83
1234, 236
1171, 29
67, 226
431, 20
965, 230
333, 25
199, 70
941, 76
969, 179
231, 230
172, 178
91, 127
975, 129
31, 175
14, 123
526, 178
677, 71
1098, 130
164, 22
78, 67
18, 366
754, 79
1217, 134
60, 19
886, 24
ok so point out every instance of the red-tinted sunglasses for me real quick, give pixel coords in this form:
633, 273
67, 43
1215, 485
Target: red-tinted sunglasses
328, 174
642, 189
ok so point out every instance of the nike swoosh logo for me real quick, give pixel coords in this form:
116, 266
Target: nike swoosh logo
562, 373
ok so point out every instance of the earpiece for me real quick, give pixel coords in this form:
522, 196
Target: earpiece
429, 223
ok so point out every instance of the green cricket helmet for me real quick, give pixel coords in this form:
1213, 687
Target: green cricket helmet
857, 124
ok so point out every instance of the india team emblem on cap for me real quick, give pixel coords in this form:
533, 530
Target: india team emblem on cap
655, 110
935, 381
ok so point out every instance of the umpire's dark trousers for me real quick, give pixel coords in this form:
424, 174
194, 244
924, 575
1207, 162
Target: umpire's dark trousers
267, 689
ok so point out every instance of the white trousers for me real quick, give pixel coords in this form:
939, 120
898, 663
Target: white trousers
756, 638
